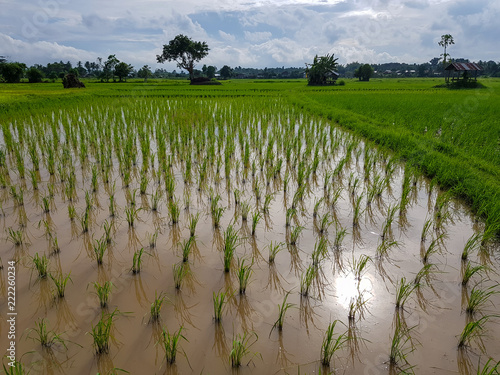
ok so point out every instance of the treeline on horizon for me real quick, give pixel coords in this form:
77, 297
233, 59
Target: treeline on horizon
16, 71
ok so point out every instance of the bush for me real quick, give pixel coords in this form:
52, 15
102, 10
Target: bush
34, 75
341, 83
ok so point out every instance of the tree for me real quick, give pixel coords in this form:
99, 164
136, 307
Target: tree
226, 72
145, 72
109, 67
122, 70
446, 40
185, 52
12, 72
321, 70
211, 71
364, 72
34, 75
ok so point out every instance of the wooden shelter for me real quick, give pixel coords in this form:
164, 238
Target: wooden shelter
462, 71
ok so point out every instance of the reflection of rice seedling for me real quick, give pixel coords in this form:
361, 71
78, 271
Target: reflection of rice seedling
359, 266
170, 343
137, 261
469, 271
356, 306
15, 236
274, 249
179, 271
472, 330
282, 309
399, 348
44, 336
294, 234
425, 230
103, 292
219, 300
471, 244
156, 307
255, 220
101, 332
41, 264
244, 273
18, 196
306, 280
60, 282
152, 239
403, 291
478, 298
193, 221
241, 347
99, 247
331, 344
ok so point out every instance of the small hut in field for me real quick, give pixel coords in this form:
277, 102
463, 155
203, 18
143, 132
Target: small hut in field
462, 71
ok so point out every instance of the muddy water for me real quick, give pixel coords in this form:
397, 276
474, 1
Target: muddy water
434, 313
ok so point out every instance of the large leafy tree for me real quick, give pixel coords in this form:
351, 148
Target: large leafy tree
145, 72
322, 69
185, 52
122, 70
12, 72
364, 72
226, 72
446, 40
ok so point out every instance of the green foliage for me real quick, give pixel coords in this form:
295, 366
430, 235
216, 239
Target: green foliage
241, 347
364, 72
322, 70
170, 343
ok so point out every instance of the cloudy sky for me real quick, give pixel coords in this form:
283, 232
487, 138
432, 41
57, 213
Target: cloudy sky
248, 33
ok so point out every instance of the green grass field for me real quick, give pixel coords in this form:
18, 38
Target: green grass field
450, 135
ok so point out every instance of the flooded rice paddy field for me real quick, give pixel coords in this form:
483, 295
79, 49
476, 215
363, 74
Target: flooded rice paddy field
354, 231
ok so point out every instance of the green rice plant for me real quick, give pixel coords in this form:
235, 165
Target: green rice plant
217, 216
431, 249
179, 271
425, 230
389, 219
15, 236
186, 246
99, 246
306, 280
290, 213
107, 231
294, 234
103, 291
282, 309
71, 212
470, 271
137, 261
94, 182
193, 221
359, 266
144, 184
340, 234
405, 192
54, 245
101, 333
357, 211
472, 244
18, 196
34, 178
112, 205
384, 247
41, 264
16, 368
320, 251
489, 368
479, 297
255, 220
131, 215
220, 299
324, 223
317, 204
403, 292
231, 241
88, 200
237, 197
156, 307
245, 209
424, 273
84, 220
267, 202
331, 344
155, 200
274, 249
472, 331
241, 348
132, 199
60, 282
356, 306
170, 343
401, 347
44, 336
244, 273
152, 239
174, 211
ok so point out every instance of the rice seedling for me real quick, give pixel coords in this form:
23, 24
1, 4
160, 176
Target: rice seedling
179, 271
107, 231
324, 223
71, 213
34, 178
143, 185
359, 266
340, 234
425, 230
489, 368
294, 234
389, 219
472, 244
193, 221
424, 273
245, 209
131, 215
274, 249
99, 246
217, 216
320, 251
15, 236
155, 200
357, 211
14, 368
356, 306
244, 273
255, 220
137, 261
94, 183
112, 206
470, 271
403, 292
44, 336
431, 249
401, 347
317, 204
237, 197
18, 196
241, 348
84, 221
170, 343
156, 307
60, 282
306, 280
231, 241
330, 344
282, 309
290, 213
103, 291
41, 264
267, 202
384, 247
101, 333
174, 211
220, 299
472, 331
478, 298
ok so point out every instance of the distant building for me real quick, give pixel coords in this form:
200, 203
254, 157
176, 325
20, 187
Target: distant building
462, 71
